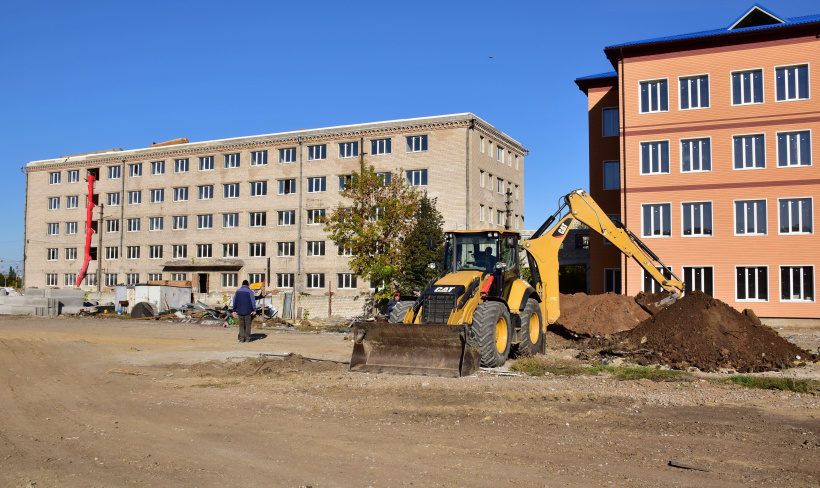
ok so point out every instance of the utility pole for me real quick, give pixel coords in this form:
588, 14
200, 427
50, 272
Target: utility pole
507, 203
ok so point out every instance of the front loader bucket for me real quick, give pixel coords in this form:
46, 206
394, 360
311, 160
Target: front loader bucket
655, 302
428, 349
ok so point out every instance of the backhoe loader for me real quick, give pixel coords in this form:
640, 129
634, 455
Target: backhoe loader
479, 309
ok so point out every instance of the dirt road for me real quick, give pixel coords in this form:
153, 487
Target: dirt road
90, 402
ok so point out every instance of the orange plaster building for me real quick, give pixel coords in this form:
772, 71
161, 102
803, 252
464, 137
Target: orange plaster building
706, 146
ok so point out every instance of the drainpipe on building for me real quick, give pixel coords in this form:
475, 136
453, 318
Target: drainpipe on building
25, 220
624, 264
122, 209
470, 128
298, 277
99, 247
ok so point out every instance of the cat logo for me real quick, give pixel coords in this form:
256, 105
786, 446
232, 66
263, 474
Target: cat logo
562, 229
444, 289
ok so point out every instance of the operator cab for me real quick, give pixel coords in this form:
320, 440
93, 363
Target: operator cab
489, 251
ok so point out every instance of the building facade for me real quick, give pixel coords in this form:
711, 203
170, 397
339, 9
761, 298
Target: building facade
705, 145
222, 211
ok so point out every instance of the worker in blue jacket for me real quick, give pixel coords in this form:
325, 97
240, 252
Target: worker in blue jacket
244, 309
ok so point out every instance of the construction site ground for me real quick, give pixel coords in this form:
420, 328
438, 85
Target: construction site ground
111, 402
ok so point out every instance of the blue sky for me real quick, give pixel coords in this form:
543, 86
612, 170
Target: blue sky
85, 76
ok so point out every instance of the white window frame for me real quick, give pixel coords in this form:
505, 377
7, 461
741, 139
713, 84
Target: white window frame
51, 279
204, 251
155, 224
54, 203
55, 177
797, 98
754, 166
112, 253
230, 280
286, 249
230, 190
788, 153
179, 222
607, 184
73, 176
317, 184
312, 214
691, 140
286, 218
135, 170
660, 104
314, 281
680, 94
71, 254
157, 168
671, 221
112, 226
284, 280
417, 177
132, 224
230, 220
72, 201
134, 197
692, 281
114, 172
481, 212
181, 194
286, 186
711, 219
762, 87
53, 228
348, 150
232, 160
132, 252
259, 158
205, 221
656, 287
52, 254
813, 284
257, 219
811, 220
660, 157
756, 268
604, 133
70, 228
287, 155
322, 152
154, 276
380, 147
155, 251
230, 249
259, 188
179, 251
617, 279
346, 281
499, 186
113, 199
110, 279
157, 195
206, 163
481, 177
417, 143
315, 248
205, 192
257, 249
745, 202
182, 165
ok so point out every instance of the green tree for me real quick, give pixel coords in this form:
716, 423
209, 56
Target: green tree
372, 222
415, 256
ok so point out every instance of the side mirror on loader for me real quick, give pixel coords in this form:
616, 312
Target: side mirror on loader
431, 265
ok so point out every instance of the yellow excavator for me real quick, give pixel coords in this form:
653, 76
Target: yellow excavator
479, 310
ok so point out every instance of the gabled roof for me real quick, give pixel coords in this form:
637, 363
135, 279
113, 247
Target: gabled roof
756, 16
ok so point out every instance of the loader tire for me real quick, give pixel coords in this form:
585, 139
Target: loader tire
399, 311
493, 329
532, 338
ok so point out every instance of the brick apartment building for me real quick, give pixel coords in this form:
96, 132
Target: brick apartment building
706, 146
218, 212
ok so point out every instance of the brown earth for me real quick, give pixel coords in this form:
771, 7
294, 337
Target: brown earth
599, 315
102, 403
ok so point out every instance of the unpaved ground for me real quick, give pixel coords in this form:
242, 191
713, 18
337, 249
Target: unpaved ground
89, 402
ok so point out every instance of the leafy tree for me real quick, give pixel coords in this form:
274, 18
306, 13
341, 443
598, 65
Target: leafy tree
372, 222
415, 256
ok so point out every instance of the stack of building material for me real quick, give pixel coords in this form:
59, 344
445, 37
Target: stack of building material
42, 302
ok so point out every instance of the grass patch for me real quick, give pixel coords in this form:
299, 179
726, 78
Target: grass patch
640, 373
539, 366
215, 385
811, 387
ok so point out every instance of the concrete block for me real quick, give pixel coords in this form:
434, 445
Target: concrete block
65, 293
15, 301
22, 310
35, 292
5, 309
36, 301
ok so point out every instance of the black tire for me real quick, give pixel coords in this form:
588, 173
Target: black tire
532, 341
399, 311
490, 331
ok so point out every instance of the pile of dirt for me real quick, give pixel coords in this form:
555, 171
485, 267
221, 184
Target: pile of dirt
598, 315
706, 333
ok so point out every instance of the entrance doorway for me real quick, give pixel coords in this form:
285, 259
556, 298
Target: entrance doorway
202, 282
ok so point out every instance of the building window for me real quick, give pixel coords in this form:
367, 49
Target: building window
71, 254
230, 190
499, 185
792, 83
316, 153
582, 242
697, 219
155, 252
284, 280
135, 170
481, 178
113, 199
752, 283
179, 251
699, 278
154, 276
181, 165
316, 185
54, 203
158, 168
481, 144
655, 158
694, 92
287, 155
797, 283
749, 151
315, 280
612, 280
258, 219
346, 281
612, 176
134, 197
747, 87
315, 216
229, 280
112, 226
181, 194
230, 250
154, 223
345, 181
750, 218
204, 221
657, 220
416, 143
70, 279
794, 149
417, 177
385, 177
499, 154
132, 225
286, 187
53, 229
654, 96
499, 217
285, 249
91, 279
232, 160
286, 217
481, 213
344, 251
516, 162
51, 279
696, 155
649, 283
110, 279
256, 249
132, 278
132, 252
157, 195
54, 178
795, 215
610, 123
259, 188
52, 254
380, 146
114, 172
112, 253
315, 248
348, 149
74, 176
206, 192
256, 278
179, 222
259, 158
206, 163
70, 228
179, 276
230, 220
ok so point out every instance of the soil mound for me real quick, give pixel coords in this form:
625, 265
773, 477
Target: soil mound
706, 333
599, 315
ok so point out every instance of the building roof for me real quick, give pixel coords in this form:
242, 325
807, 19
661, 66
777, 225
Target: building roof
610, 78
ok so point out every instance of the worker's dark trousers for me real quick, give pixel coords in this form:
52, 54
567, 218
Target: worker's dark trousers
245, 327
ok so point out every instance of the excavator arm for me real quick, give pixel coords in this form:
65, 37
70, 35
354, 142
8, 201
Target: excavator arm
543, 248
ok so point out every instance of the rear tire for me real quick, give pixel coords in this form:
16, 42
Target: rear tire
399, 311
493, 329
532, 338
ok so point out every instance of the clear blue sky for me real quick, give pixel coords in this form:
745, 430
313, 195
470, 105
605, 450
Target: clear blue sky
80, 76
